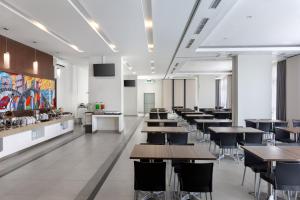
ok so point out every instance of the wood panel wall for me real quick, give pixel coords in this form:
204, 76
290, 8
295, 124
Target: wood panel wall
22, 57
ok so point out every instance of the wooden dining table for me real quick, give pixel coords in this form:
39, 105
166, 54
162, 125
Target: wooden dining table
293, 130
273, 154
164, 129
162, 122
234, 130
171, 152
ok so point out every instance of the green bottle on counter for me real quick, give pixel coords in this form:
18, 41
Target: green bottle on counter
97, 106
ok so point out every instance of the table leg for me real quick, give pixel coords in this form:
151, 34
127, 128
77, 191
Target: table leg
270, 187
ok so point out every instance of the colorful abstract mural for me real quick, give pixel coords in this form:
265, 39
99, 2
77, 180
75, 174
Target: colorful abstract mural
21, 92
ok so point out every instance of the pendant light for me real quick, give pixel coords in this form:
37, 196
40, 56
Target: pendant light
35, 64
6, 56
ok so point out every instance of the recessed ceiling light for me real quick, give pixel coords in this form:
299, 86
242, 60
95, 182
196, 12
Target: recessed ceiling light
148, 23
133, 72
130, 68
40, 26
153, 72
94, 24
152, 61
152, 68
147, 13
248, 49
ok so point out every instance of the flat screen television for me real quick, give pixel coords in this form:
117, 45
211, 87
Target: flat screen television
129, 83
107, 69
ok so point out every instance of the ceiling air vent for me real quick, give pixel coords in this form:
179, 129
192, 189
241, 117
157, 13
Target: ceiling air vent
201, 25
190, 43
176, 64
215, 4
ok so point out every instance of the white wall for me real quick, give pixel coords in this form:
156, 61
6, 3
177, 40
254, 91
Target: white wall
253, 85
155, 87
206, 91
167, 94
191, 93
130, 97
178, 93
107, 89
293, 88
72, 85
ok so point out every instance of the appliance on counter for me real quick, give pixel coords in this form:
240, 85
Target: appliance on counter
107, 69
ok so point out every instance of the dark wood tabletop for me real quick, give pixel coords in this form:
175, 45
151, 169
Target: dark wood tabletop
164, 129
171, 152
213, 120
274, 153
161, 120
295, 130
235, 130
264, 120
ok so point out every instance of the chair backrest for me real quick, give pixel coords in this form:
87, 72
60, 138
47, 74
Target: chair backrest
296, 122
196, 108
156, 138
225, 124
281, 134
170, 124
153, 123
253, 138
196, 177
250, 124
280, 124
150, 176
265, 126
163, 115
228, 140
287, 176
153, 115
180, 138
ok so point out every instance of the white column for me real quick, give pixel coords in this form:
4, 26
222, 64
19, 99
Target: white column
252, 87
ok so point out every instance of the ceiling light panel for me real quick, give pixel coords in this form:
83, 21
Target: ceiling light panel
215, 4
201, 25
38, 24
93, 24
147, 12
248, 49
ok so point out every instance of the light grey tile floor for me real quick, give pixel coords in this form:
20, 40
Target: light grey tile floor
62, 173
226, 179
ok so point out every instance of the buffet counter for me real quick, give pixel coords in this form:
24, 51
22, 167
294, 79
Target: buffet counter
107, 122
17, 139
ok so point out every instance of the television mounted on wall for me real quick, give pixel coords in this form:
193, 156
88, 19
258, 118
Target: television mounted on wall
129, 83
107, 69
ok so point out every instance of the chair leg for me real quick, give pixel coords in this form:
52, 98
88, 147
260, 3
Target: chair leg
205, 195
210, 194
244, 176
135, 195
258, 192
170, 179
289, 195
255, 176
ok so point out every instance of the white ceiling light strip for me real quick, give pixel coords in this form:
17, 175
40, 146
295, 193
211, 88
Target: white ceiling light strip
92, 23
248, 49
147, 12
38, 24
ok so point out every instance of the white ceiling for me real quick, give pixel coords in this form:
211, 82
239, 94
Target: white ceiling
233, 23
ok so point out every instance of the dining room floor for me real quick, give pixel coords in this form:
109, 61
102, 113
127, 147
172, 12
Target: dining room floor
227, 176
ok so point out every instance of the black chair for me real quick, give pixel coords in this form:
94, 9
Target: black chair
180, 138
285, 178
252, 138
256, 165
156, 138
196, 177
283, 136
153, 115
170, 124
149, 177
196, 108
296, 122
153, 123
267, 128
250, 124
227, 141
163, 115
